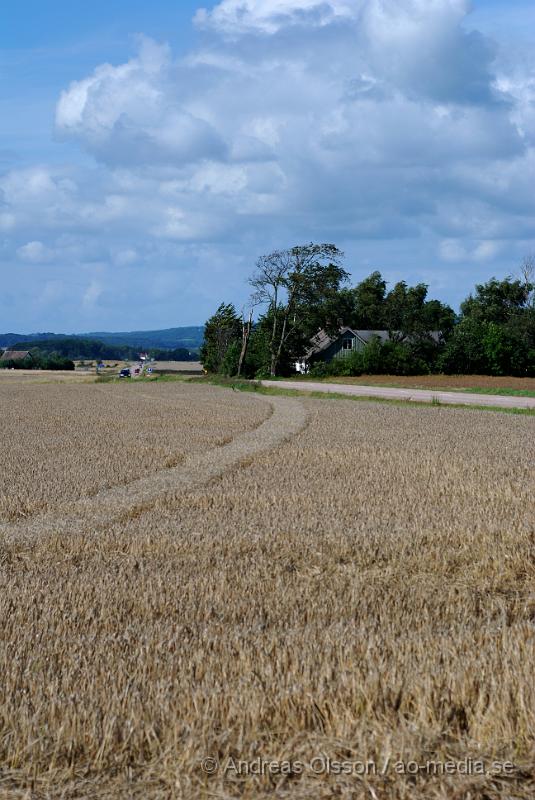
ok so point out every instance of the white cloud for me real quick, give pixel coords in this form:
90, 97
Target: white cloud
7, 221
35, 253
92, 294
422, 48
456, 252
486, 250
452, 250
353, 121
268, 16
124, 258
133, 114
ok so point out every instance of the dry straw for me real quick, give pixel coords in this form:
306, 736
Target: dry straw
363, 592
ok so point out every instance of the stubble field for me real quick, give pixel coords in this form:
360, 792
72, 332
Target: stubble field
359, 594
66, 442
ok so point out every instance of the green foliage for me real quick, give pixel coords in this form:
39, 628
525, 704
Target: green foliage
40, 360
498, 301
15, 363
369, 303
55, 361
221, 338
404, 310
298, 287
339, 367
302, 289
321, 369
376, 358
372, 361
176, 354
496, 332
229, 364
75, 348
257, 362
487, 348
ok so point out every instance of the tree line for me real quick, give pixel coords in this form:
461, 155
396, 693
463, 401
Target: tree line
76, 348
302, 290
38, 360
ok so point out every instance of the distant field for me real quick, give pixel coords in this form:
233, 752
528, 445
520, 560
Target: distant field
360, 593
15, 376
486, 384
178, 366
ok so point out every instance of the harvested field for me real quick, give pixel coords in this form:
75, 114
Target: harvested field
10, 377
193, 367
362, 593
446, 382
62, 443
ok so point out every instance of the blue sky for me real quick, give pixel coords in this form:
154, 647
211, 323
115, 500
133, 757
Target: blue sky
150, 153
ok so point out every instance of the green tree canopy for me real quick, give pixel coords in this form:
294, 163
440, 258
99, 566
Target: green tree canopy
498, 301
369, 303
221, 335
297, 287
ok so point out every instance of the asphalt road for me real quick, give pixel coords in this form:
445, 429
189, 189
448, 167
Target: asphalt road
416, 395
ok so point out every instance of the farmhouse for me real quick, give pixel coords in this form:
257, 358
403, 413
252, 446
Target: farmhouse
15, 355
348, 340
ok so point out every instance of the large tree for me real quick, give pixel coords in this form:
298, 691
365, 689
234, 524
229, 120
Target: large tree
408, 312
222, 334
404, 310
369, 303
496, 331
499, 301
295, 285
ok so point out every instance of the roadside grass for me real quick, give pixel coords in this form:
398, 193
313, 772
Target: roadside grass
427, 384
508, 392
241, 385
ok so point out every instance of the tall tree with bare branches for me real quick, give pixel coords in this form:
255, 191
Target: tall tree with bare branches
290, 281
247, 327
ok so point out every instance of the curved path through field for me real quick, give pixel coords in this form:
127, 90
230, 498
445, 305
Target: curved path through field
414, 395
120, 502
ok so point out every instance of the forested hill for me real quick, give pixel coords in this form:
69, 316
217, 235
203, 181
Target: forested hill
76, 348
10, 339
188, 338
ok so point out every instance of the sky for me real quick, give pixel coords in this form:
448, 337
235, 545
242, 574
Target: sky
150, 153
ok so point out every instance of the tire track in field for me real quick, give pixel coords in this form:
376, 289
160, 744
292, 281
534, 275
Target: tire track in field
289, 417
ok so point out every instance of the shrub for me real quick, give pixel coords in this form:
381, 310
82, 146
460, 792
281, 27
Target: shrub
320, 370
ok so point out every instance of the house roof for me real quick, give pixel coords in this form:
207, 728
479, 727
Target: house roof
321, 341
14, 355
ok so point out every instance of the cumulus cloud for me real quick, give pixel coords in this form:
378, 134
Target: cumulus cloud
422, 48
347, 120
268, 16
35, 253
455, 251
135, 113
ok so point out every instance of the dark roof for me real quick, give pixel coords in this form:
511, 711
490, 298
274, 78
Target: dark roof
321, 341
14, 355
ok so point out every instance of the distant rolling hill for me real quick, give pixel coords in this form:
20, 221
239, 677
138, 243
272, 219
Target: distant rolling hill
10, 339
169, 338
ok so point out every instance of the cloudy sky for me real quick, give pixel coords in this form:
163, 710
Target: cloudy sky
150, 152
